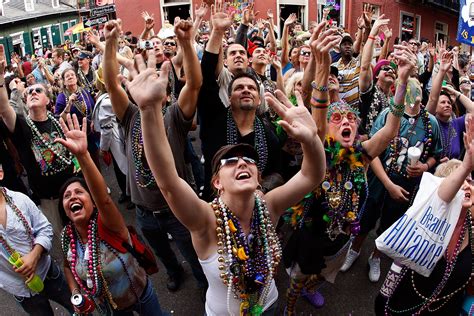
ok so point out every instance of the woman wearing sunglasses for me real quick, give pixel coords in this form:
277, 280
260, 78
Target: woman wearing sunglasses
48, 164
234, 236
329, 215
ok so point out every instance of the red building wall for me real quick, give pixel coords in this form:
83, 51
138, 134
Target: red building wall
391, 9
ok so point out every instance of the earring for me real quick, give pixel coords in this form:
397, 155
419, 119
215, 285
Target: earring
219, 192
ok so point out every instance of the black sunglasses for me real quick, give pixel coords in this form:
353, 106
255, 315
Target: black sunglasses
169, 44
305, 54
38, 90
387, 68
232, 161
465, 81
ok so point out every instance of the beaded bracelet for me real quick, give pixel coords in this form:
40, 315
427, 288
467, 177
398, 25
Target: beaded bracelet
320, 106
319, 88
397, 109
320, 101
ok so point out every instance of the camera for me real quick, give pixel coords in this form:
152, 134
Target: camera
146, 44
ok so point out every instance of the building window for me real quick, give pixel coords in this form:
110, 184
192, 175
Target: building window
55, 3
441, 31
409, 26
29, 5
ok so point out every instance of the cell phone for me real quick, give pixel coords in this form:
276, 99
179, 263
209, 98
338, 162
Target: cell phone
146, 44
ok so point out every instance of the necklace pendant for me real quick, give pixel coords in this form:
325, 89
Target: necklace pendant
90, 285
334, 199
411, 120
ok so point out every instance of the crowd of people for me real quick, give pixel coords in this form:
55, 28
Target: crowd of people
307, 141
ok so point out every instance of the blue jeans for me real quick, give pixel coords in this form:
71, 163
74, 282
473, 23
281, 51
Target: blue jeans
155, 228
148, 305
55, 288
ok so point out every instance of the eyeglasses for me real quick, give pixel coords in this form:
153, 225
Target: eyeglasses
307, 54
38, 90
387, 68
414, 43
465, 82
232, 161
169, 44
337, 117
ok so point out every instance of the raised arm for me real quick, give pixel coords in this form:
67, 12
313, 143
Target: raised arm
446, 62
271, 32
221, 21
285, 59
117, 94
76, 143
149, 24
365, 76
320, 95
189, 94
310, 70
386, 43
6, 111
452, 183
379, 142
199, 13
299, 125
149, 90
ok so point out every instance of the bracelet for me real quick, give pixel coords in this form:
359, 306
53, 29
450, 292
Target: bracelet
319, 88
371, 37
75, 291
319, 101
320, 106
396, 109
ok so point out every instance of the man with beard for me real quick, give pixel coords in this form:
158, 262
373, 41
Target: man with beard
237, 121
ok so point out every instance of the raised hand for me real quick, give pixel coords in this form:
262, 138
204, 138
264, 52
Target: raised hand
296, 120
381, 21
360, 22
321, 47
92, 38
184, 30
468, 161
146, 87
276, 63
446, 61
431, 50
220, 20
367, 14
406, 61
201, 11
387, 32
149, 20
3, 60
290, 20
112, 30
260, 24
76, 136
248, 14
270, 14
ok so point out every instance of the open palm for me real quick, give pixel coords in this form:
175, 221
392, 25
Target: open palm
76, 137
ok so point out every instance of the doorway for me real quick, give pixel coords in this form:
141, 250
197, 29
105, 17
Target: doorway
171, 12
287, 9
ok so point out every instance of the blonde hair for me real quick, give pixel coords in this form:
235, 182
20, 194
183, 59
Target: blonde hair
445, 169
290, 84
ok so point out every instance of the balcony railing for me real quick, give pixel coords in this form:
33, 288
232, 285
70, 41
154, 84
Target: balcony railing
452, 5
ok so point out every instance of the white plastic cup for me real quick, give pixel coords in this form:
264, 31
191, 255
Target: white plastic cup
414, 154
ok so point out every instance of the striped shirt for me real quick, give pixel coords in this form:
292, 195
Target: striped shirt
349, 81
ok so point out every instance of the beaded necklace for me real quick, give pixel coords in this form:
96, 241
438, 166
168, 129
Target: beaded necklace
446, 140
396, 145
379, 102
143, 176
342, 187
427, 302
260, 139
81, 104
247, 263
23, 220
48, 149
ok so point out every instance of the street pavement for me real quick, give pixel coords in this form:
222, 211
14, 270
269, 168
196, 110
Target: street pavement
352, 294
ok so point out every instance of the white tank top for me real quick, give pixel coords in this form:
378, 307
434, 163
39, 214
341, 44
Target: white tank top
216, 296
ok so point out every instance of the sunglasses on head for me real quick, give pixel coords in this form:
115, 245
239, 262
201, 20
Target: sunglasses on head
305, 54
232, 161
169, 44
38, 90
337, 117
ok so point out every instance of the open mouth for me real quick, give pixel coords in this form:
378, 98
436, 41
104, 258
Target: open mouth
243, 175
467, 196
346, 133
76, 207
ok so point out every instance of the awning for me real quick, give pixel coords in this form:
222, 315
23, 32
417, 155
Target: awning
76, 29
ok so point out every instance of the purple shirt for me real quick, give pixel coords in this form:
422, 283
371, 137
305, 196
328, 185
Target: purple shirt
452, 137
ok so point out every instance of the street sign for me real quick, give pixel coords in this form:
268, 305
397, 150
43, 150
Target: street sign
95, 21
103, 10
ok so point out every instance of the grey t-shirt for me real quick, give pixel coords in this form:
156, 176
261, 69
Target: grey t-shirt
177, 128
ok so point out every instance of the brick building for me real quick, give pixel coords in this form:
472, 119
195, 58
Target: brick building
431, 19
